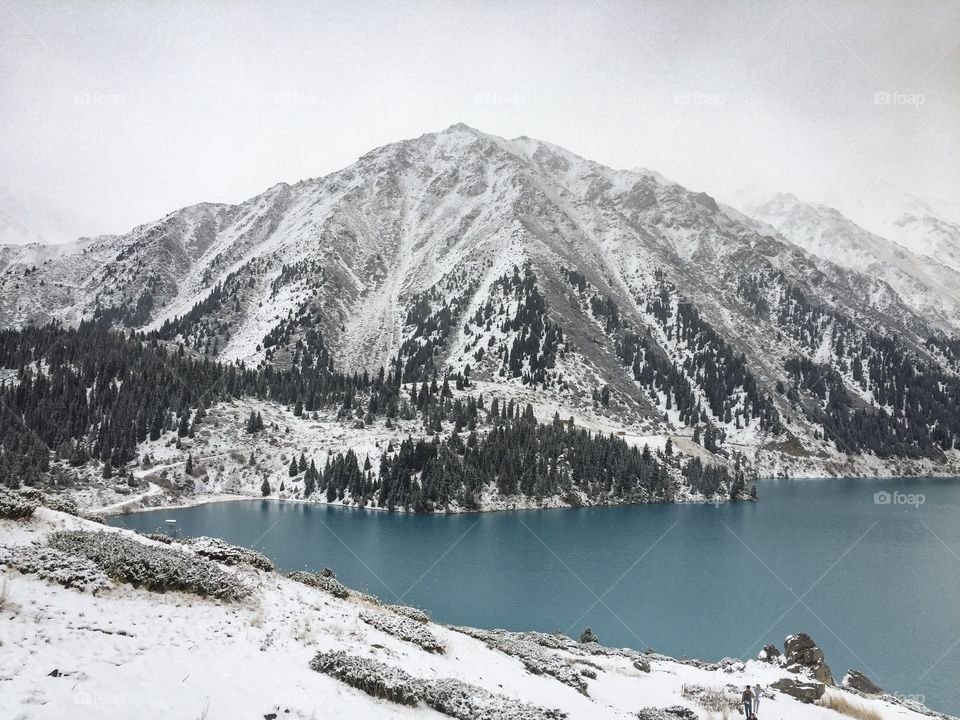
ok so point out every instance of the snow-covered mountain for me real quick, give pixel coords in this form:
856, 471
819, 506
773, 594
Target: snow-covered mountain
929, 287
542, 271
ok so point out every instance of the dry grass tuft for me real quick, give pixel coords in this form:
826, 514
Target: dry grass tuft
846, 706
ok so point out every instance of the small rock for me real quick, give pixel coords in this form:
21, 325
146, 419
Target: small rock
54, 673
856, 680
642, 664
770, 653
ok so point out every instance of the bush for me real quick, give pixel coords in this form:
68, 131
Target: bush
159, 537
405, 629
371, 676
51, 564
448, 696
54, 502
14, 506
155, 568
411, 612
677, 712
714, 699
228, 554
327, 583
469, 702
533, 656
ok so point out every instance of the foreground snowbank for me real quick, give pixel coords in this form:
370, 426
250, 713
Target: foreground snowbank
129, 652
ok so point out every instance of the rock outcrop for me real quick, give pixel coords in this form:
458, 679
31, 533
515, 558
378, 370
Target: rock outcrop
856, 680
801, 653
770, 653
802, 690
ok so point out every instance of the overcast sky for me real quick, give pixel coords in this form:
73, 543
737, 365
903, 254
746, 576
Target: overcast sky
118, 113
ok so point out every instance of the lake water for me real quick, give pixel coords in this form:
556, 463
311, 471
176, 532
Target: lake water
877, 585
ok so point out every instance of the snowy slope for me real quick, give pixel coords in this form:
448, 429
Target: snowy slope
128, 652
926, 282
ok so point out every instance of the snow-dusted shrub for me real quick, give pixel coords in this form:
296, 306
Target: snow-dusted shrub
366, 597
54, 502
469, 702
533, 656
373, 677
676, 712
228, 554
411, 612
52, 564
554, 641
405, 629
714, 699
159, 537
155, 568
14, 506
451, 697
327, 583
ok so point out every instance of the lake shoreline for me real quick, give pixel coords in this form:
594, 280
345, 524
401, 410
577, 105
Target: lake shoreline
135, 505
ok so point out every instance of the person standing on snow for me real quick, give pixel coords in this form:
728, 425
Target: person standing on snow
757, 694
747, 699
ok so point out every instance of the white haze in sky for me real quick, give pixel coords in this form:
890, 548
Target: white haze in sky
113, 114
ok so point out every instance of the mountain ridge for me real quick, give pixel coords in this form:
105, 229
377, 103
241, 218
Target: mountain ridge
604, 292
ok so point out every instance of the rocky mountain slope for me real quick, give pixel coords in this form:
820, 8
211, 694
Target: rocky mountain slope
518, 264
929, 286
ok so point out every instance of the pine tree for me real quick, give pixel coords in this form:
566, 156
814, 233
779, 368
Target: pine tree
265, 487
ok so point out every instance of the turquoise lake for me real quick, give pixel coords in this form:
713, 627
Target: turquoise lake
875, 583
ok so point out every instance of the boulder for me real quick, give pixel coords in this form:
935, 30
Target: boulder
804, 691
856, 680
642, 664
802, 654
770, 653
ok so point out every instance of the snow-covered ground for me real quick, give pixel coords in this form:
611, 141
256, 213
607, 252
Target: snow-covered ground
129, 652
230, 464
